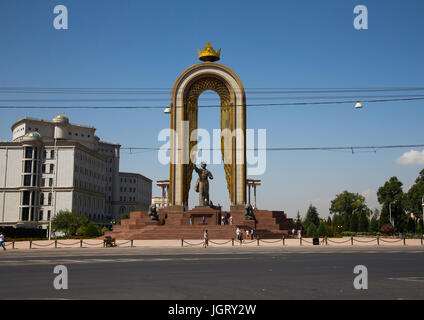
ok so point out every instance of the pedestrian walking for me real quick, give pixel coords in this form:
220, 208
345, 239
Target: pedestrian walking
222, 220
238, 234
205, 238
2, 241
231, 220
299, 233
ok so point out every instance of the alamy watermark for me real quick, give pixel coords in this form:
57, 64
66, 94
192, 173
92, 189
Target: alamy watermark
60, 282
361, 280
208, 149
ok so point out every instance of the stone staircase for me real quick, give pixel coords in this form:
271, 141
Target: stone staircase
176, 225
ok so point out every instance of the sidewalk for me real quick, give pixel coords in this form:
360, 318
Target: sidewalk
305, 242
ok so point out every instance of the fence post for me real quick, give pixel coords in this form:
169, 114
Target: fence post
326, 241
284, 240
232, 241
421, 240
404, 241
13, 243
80, 243
300, 240
378, 240
30, 244
351, 241
132, 243
55, 243
182, 242
258, 242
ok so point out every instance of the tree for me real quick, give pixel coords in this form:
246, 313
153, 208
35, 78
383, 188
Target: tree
354, 222
373, 227
363, 222
413, 198
68, 222
312, 230
322, 232
312, 216
345, 204
391, 195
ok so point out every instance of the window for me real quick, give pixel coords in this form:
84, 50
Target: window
43, 168
25, 214
27, 180
49, 200
49, 214
41, 215
51, 167
25, 198
27, 167
41, 198
28, 152
52, 154
50, 182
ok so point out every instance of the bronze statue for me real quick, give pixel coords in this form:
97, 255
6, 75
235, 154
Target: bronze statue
202, 184
153, 214
249, 215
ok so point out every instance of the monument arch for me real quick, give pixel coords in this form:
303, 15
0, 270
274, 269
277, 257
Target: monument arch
196, 79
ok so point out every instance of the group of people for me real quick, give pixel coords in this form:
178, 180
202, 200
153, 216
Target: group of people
227, 219
249, 234
299, 233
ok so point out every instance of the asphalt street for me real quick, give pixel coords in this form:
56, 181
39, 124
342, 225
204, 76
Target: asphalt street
214, 273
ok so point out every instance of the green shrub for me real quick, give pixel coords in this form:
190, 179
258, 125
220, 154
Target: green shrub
348, 234
312, 230
92, 230
322, 232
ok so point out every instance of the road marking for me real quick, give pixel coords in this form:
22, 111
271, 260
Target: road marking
413, 279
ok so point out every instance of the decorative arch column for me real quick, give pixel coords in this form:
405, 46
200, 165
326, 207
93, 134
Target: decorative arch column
184, 110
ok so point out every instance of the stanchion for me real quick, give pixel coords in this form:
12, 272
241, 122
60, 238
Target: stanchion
378, 240
326, 241
55, 243
182, 242
80, 243
421, 240
30, 244
132, 243
404, 241
232, 241
351, 241
284, 242
13, 243
258, 242
300, 240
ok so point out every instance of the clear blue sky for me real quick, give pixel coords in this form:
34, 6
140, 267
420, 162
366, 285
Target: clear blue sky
270, 44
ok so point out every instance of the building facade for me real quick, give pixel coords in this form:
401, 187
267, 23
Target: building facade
51, 166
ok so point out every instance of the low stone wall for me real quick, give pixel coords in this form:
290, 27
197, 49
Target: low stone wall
304, 242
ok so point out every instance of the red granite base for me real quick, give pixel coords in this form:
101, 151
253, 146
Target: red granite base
175, 223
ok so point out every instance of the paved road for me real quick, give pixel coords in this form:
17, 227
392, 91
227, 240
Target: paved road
214, 273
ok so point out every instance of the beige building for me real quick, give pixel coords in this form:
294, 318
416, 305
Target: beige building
55, 165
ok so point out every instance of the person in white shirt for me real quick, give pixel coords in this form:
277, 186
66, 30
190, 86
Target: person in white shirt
231, 220
2, 241
247, 233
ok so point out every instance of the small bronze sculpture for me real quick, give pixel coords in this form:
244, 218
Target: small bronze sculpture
153, 214
249, 215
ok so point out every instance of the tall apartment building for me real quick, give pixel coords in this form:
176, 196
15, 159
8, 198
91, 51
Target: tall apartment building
55, 165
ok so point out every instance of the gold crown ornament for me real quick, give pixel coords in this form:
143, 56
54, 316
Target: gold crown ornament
209, 54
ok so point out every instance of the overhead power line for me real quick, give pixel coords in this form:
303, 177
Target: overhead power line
350, 148
168, 91
218, 106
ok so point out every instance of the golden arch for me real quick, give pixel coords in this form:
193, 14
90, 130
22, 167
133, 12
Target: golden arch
184, 109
